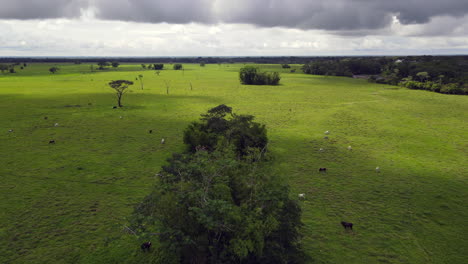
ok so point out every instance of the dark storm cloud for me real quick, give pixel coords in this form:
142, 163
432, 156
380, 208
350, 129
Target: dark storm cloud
37, 9
156, 11
336, 15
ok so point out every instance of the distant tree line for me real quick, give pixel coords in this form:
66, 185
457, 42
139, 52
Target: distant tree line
10, 68
443, 74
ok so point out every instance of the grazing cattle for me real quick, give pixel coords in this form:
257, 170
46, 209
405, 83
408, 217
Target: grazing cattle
350, 148
56, 124
200, 148
377, 169
163, 141
325, 137
151, 131
327, 132
51, 141
115, 107
322, 169
301, 195
347, 225
145, 246
321, 149
11, 130
90, 104
120, 117
45, 118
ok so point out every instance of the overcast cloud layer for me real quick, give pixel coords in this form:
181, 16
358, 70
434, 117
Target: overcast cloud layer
310, 27
303, 14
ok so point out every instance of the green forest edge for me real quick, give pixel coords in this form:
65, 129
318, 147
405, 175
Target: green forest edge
442, 75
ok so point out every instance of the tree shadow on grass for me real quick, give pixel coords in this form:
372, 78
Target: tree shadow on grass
402, 200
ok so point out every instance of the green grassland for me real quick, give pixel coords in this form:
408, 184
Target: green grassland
67, 202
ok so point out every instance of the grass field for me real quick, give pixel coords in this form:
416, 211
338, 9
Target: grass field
67, 202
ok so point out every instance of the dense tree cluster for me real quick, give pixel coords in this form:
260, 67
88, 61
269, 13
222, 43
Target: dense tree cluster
210, 206
158, 66
439, 74
251, 75
177, 66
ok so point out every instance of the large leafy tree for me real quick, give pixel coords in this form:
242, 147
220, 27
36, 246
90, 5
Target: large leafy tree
120, 87
220, 126
212, 206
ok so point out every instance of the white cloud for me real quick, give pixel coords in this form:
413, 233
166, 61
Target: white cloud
92, 37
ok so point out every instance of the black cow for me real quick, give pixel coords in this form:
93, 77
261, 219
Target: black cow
322, 169
51, 141
145, 246
151, 131
115, 107
347, 225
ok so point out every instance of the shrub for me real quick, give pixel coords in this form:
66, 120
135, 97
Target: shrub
158, 66
250, 75
177, 66
285, 66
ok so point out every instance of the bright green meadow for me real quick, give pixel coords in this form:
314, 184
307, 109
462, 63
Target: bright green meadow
67, 202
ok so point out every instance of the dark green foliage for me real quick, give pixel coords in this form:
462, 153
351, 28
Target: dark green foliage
115, 64
12, 70
285, 66
120, 87
143, 66
53, 69
250, 75
247, 74
178, 66
158, 66
202, 64
102, 64
450, 88
3, 68
333, 68
449, 73
212, 207
221, 126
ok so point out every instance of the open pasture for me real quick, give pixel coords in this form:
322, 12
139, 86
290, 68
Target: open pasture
67, 202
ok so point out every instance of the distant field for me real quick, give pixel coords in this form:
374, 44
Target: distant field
67, 202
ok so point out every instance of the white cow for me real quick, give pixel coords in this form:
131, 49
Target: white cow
327, 132
302, 195
163, 141
56, 124
350, 148
377, 169
321, 149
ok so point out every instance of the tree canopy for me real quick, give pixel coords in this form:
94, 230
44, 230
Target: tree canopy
251, 75
120, 87
214, 207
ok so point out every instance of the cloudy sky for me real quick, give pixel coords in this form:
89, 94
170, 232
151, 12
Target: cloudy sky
232, 27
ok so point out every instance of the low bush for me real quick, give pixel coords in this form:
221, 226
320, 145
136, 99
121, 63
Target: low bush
250, 75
